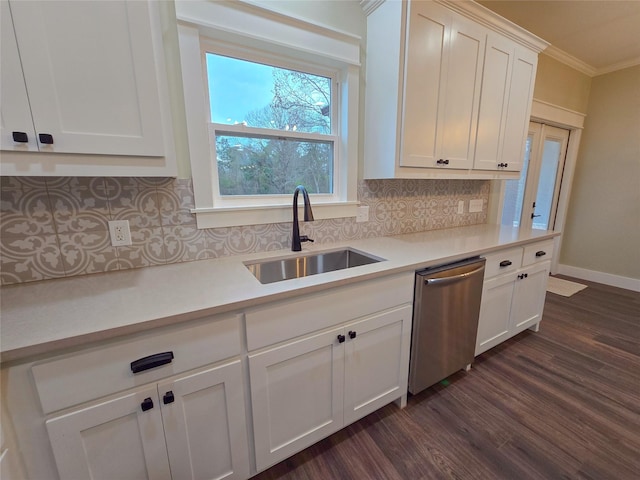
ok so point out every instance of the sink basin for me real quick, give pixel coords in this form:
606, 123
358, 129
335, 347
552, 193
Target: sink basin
270, 271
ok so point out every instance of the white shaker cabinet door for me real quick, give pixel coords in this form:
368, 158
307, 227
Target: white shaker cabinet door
528, 296
494, 101
205, 427
90, 74
297, 395
443, 73
15, 114
376, 362
495, 312
518, 115
112, 439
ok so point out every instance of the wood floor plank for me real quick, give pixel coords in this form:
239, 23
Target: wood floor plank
562, 403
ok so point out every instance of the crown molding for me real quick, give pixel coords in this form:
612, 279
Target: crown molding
368, 6
495, 22
618, 66
569, 60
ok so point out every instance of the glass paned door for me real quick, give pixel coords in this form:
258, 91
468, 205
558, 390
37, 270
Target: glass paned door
532, 200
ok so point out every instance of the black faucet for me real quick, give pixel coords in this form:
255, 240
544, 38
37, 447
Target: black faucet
296, 239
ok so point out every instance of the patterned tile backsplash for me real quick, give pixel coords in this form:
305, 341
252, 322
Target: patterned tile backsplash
57, 226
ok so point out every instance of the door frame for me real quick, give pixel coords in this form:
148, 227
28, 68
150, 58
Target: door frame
554, 115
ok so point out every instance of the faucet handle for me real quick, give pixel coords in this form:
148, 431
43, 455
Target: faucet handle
304, 238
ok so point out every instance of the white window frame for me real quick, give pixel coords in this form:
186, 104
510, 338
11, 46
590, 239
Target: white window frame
247, 31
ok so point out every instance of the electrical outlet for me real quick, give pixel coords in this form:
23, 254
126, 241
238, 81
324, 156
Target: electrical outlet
120, 233
475, 205
461, 206
362, 214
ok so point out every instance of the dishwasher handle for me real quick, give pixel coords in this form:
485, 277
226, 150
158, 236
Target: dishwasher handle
454, 278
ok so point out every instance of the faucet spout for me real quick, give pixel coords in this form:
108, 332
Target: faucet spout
296, 239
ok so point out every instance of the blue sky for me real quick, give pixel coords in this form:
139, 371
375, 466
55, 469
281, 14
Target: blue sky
231, 98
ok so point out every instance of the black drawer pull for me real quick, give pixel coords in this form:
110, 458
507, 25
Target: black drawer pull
20, 137
168, 397
540, 253
147, 404
505, 263
352, 334
46, 138
341, 338
151, 361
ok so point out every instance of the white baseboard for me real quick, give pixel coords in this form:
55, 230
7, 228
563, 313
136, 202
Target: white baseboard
600, 277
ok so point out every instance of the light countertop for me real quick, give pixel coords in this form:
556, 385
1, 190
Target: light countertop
42, 317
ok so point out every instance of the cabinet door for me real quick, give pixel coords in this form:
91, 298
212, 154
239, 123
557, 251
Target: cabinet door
424, 77
443, 70
494, 101
90, 74
297, 395
519, 108
462, 93
376, 362
528, 297
495, 312
15, 114
204, 423
112, 439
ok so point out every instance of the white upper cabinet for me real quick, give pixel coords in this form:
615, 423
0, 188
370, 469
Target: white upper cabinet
448, 91
83, 78
505, 108
443, 68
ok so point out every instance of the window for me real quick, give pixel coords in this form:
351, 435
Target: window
272, 127
271, 102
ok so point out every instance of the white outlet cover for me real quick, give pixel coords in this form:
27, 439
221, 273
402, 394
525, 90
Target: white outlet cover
120, 233
362, 214
461, 206
475, 205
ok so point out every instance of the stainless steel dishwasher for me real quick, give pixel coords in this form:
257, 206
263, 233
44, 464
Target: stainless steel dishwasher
445, 321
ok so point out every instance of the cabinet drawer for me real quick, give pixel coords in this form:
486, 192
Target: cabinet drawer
538, 252
504, 261
100, 371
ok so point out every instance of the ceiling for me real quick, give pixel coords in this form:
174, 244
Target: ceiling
594, 36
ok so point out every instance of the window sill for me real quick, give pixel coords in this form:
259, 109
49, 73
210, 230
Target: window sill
258, 215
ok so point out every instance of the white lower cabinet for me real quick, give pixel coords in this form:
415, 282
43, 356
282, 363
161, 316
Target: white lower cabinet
191, 426
513, 301
308, 388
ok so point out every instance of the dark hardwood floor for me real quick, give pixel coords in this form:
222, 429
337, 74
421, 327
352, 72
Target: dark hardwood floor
563, 403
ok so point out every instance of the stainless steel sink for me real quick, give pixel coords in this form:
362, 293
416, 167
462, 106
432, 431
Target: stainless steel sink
269, 271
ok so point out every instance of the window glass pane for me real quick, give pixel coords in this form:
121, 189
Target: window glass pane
272, 166
514, 192
547, 183
264, 96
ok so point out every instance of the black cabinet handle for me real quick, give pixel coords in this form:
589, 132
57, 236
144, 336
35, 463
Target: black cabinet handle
352, 334
341, 338
46, 138
503, 165
540, 253
20, 137
446, 162
440, 162
168, 398
151, 361
505, 263
523, 275
147, 404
